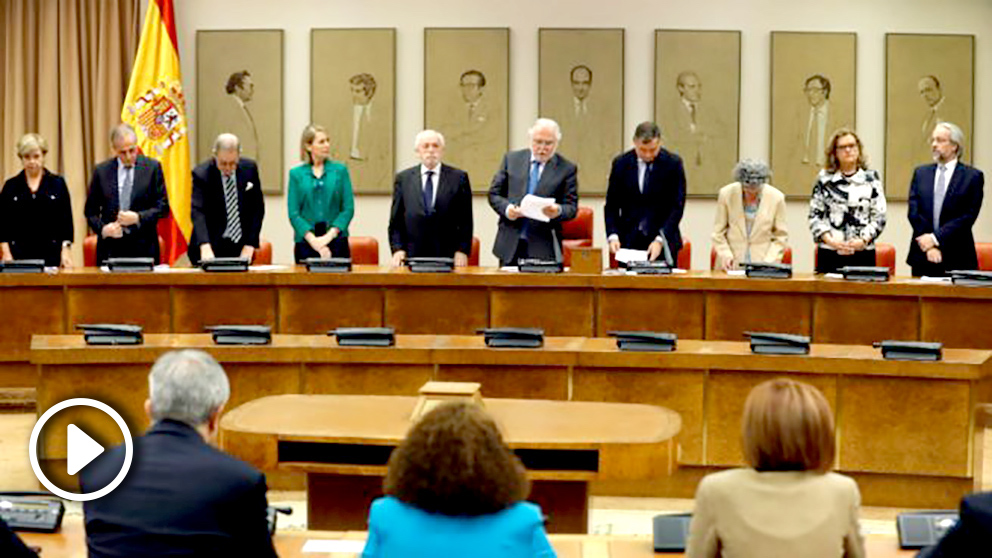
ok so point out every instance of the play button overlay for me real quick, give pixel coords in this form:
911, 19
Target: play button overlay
81, 449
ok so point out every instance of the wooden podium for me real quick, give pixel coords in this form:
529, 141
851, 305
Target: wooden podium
343, 443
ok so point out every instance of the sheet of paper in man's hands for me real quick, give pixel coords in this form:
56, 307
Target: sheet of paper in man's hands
533, 207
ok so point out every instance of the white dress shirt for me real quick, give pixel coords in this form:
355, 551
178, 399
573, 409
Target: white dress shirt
435, 178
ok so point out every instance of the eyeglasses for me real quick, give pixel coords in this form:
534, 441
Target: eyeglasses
847, 146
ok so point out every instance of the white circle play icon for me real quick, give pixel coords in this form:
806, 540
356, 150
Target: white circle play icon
81, 449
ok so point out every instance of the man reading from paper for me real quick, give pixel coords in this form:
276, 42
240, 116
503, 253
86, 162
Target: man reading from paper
541, 172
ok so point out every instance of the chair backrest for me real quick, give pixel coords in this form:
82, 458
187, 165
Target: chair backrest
364, 250
473, 257
579, 228
984, 250
262, 256
89, 250
885, 256
786, 257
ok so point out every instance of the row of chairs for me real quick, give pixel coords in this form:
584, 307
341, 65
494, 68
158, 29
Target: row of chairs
576, 233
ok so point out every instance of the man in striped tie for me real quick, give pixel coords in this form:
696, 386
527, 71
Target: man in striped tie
227, 204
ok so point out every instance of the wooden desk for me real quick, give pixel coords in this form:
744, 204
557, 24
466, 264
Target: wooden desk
71, 543
343, 443
697, 305
906, 430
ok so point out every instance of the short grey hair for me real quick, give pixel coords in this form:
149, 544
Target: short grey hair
752, 171
957, 135
545, 123
187, 386
422, 137
227, 141
120, 131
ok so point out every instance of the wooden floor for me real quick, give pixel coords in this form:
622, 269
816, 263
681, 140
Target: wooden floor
608, 515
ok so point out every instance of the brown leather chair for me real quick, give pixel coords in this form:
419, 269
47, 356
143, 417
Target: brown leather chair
262, 256
984, 250
786, 257
885, 256
576, 233
473, 257
89, 250
364, 250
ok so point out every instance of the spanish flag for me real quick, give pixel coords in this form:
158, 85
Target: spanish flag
156, 108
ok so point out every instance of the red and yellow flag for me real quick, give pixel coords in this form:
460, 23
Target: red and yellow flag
156, 107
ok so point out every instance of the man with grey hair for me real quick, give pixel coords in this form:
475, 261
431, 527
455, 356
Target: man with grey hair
431, 215
227, 205
645, 197
538, 171
182, 496
126, 199
944, 200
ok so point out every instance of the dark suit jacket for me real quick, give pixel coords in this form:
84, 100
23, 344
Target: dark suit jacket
962, 202
442, 233
148, 199
11, 546
182, 497
638, 218
558, 180
208, 208
971, 536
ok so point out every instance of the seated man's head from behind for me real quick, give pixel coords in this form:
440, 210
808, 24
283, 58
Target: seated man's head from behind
190, 387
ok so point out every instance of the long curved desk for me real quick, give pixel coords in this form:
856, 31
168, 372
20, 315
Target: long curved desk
907, 431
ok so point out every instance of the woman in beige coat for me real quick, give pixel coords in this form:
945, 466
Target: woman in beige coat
787, 503
750, 219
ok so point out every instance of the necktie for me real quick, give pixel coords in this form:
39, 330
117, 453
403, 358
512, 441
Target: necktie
429, 193
647, 176
535, 176
125, 201
938, 195
233, 229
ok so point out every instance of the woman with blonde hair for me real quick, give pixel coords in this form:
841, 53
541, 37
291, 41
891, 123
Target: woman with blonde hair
35, 210
454, 488
847, 209
321, 204
786, 503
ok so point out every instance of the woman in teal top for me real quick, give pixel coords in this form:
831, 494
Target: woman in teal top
453, 488
320, 201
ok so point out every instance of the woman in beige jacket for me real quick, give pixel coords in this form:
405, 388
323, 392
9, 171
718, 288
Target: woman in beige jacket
787, 503
750, 219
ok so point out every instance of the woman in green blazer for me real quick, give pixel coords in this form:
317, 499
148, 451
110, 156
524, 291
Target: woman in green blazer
321, 204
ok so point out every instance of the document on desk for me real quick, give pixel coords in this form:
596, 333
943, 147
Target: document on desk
327, 546
626, 255
533, 207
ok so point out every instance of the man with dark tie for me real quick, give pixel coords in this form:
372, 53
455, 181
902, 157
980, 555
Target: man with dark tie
227, 204
126, 199
645, 197
544, 173
182, 495
431, 214
944, 200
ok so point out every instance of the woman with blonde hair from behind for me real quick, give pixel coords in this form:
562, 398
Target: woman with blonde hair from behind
787, 503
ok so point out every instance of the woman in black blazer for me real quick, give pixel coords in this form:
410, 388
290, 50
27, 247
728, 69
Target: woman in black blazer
35, 210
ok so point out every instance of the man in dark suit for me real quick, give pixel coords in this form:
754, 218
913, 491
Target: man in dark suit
227, 204
182, 496
541, 172
126, 199
432, 207
944, 201
11, 546
971, 535
646, 197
